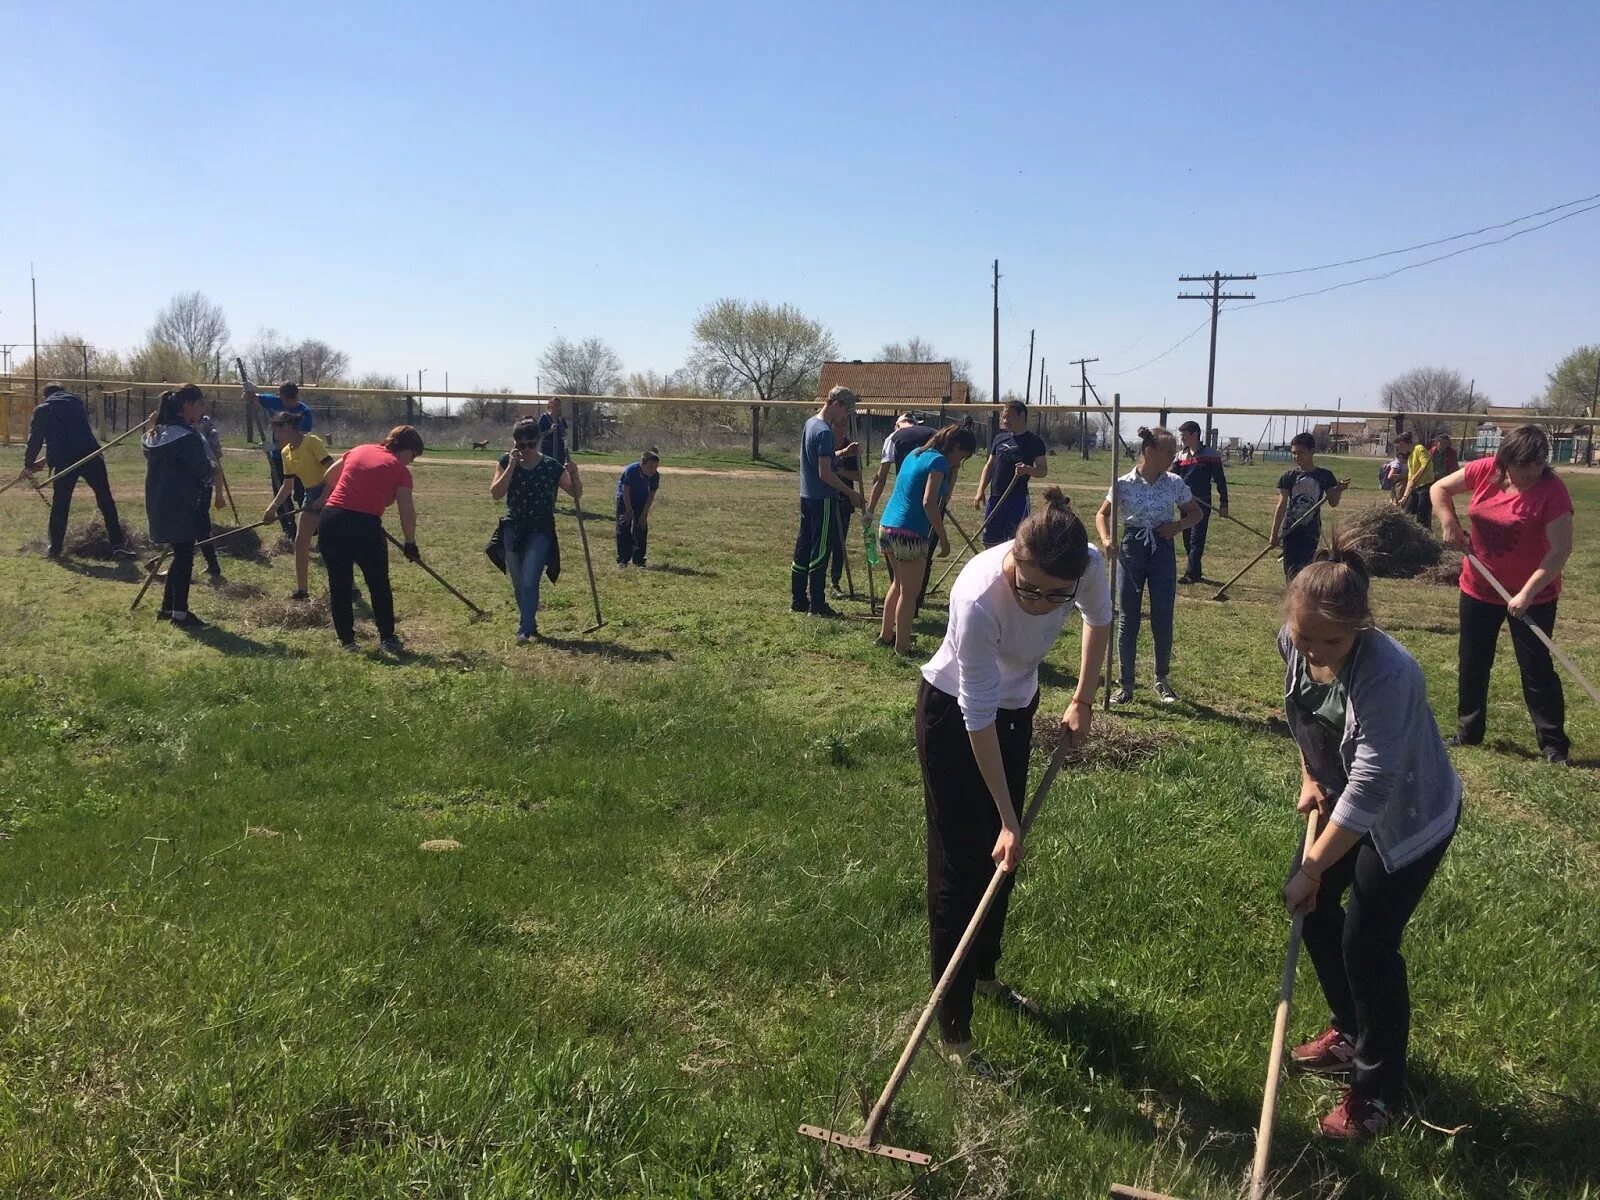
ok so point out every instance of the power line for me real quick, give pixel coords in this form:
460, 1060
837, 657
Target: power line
1147, 362
1455, 237
1423, 263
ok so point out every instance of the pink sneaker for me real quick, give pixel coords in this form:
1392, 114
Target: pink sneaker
1329, 1054
1355, 1119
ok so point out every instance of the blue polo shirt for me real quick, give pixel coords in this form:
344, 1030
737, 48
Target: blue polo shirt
639, 486
273, 403
816, 444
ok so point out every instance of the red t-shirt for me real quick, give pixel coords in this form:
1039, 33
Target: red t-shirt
1508, 531
368, 480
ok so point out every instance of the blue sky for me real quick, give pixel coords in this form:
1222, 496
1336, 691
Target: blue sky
449, 186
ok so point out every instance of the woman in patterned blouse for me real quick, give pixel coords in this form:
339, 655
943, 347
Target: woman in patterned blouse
1146, 498
527, 480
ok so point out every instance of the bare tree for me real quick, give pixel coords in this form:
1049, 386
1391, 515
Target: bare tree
586, 368
195, 327
70, 356
918, 350
270, 358
162, 362
776, 352
318, 362
1432, 390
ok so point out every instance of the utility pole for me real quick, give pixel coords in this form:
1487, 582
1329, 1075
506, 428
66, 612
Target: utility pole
447, 394
33, 284
1594, 408
1027, 392
1083, 403
1043, 427
1216, 296
994, 417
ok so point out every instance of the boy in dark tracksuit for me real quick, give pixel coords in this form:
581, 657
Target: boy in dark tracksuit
1198, 466
636, 495
61, 426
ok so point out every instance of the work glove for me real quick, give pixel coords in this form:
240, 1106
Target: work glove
411, 552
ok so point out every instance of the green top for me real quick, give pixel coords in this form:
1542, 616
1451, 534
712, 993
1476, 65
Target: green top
1324, 701
531, 497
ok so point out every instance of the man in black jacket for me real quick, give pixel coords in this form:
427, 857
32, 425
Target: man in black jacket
61, 426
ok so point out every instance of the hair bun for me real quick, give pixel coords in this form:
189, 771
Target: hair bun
1056, 498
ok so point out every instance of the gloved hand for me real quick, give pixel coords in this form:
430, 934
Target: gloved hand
412, 553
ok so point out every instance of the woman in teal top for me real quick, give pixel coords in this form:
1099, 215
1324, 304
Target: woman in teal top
913, 516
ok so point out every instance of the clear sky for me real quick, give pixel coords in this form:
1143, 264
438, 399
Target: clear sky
448, 186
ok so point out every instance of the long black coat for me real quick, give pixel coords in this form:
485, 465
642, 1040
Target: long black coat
177, 484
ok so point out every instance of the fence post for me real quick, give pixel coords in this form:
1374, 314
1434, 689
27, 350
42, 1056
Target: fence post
755, 431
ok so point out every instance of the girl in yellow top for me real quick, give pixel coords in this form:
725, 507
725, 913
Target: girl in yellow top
306, 458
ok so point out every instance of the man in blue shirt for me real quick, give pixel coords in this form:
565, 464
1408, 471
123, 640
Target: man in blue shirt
285, 399
820, 489
1198, 466
636, 494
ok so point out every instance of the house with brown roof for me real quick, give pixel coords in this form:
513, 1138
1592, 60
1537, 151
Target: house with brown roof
894, 385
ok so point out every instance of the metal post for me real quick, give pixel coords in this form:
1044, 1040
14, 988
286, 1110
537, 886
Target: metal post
1116, 540
994, 416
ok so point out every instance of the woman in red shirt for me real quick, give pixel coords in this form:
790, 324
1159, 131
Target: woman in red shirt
1522, 532
358, 487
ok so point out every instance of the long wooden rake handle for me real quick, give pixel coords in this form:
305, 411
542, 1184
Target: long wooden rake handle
1549, 642
880, 1110
1271, 545
438, 578
956, 561
588, 562
87, 458
1280, 1032
153, 565
1228, 517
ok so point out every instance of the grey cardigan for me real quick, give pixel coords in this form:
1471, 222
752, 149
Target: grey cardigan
1388, 776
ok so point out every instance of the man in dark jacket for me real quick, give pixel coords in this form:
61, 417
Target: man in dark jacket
61, 426
1199, 466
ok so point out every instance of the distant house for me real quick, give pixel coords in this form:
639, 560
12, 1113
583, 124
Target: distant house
896, 385
1501, 419
1351, 436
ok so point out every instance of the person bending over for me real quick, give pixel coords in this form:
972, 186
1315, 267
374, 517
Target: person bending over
636, 496
913, 517
60, 427
304, 460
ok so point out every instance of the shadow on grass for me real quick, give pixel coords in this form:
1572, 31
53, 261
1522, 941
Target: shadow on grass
225, 642
668, 569
1272, 726
605, 649
117, 572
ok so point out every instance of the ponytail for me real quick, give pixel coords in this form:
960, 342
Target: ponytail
170, 409
1053, 539
1336, 585
1160, 436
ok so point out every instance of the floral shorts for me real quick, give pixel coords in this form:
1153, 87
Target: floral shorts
901, 544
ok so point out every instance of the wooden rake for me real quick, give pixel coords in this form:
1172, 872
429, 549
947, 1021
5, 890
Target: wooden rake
956, 561
1549, 643
1280, 1031
478, 614
153, 566
867, 1140
1222, 592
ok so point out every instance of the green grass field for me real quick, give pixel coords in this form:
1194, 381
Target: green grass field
687, 911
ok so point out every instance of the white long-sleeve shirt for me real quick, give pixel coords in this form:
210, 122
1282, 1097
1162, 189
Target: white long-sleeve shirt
991, 652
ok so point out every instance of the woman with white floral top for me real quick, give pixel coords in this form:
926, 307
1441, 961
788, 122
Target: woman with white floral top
1146, 499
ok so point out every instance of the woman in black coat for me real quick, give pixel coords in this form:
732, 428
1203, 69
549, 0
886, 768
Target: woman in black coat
177, 491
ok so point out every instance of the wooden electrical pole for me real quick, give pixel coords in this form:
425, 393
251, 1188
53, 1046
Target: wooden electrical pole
1216, 296
1027, 392
33, 285
994, 418
1083, 403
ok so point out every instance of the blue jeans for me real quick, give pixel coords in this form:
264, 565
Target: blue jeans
524, 570
1158, 569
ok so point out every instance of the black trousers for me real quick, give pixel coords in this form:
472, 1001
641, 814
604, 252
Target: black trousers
841, 531
963, 824
1541, 685
1194, 544
1420, 507
94, 474
180, 572
1354, 944
349, 540
210, 552
632, 538
808, 573
1298, 552
286, 509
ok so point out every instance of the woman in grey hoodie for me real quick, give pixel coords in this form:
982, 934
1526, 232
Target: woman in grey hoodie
177, 491
1374, 769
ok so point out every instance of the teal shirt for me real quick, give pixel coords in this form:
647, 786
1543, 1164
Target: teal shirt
904, 510
1324, 701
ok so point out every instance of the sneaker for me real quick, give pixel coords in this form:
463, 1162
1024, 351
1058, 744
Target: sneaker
350, 645
1187, 578
622, 566
1455, 740
55, 552
1164, 692
163, 614
963, 1056
392, 645
799, 606
1328, 1054
523, 639
215, 579
1005, 994
1122, 696
1355, 1119
119, 552
824, 610
299, 594
1556, 757
836, 592
186, 621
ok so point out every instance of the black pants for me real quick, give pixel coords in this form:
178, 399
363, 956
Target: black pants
94, 474
1298, 551
1420, 507
808, 573
1194, 545
348, 540
1541, 685
841, 531
963, 824
286, 509
210, 552
1355, 947
632, 538
180, 571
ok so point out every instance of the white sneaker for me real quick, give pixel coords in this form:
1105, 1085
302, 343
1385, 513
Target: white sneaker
1164, 692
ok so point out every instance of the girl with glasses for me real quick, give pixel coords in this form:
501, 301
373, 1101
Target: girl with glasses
527, 479
975, 714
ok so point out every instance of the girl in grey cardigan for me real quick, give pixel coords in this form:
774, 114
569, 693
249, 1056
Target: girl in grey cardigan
1374, 767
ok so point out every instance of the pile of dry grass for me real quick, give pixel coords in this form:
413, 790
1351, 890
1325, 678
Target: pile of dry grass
232, 590
1393, 544
90, 541
1112, 743
242, 543
291, 614
1445, 573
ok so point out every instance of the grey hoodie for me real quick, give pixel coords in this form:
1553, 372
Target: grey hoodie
1388, 774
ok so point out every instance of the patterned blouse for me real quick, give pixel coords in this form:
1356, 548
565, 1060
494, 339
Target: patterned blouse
1142, 505
531, 498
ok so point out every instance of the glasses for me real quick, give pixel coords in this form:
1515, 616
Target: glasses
1032, 594
526, 441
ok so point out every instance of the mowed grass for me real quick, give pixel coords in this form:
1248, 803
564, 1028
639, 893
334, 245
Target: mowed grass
687, 912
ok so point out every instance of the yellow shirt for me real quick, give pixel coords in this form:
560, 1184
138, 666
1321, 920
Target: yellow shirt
1419, 469
308, 461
